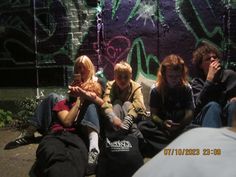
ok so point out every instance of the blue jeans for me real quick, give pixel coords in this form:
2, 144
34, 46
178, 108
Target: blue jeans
212, 115
89, 116
43, 115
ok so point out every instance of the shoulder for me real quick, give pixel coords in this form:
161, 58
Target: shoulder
135, 84
230, 73
154, 91
197, 81
187, 87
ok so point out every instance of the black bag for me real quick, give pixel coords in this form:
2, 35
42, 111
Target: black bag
120, 157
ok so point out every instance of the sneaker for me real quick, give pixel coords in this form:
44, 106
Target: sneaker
23, 139
92, 161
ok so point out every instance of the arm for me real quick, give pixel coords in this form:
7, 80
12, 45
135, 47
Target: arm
107, 105
68, 117
188, 108
201, 92
86, 95
137, 103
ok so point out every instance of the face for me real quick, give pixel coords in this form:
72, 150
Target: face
173, 78
207, 60
122, 80
82, 71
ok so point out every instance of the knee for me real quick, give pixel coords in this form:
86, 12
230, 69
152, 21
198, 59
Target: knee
232, 105
117, 102
213, 106
92, 107
127, 104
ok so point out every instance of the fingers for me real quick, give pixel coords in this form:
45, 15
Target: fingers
216, 65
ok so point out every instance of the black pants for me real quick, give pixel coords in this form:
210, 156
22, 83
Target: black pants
61, 154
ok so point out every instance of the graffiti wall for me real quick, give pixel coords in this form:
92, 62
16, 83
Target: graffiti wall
39, 39
144, 31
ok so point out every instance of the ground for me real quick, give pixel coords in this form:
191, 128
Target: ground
15, 162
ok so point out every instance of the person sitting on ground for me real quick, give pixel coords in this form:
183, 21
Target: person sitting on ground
75, 114
42, 119
214, 88
123, 106
171, 106
198, 152
123, 99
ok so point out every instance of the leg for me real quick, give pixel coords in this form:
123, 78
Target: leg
90, 119
60, 155
229, 110
210, 115
42, 118
118, 109
40, 121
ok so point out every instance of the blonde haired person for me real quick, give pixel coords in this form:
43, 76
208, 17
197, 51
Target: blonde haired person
123, 98
123, 106
171, 105
61, 152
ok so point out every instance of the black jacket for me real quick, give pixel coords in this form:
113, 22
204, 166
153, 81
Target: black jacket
220, 91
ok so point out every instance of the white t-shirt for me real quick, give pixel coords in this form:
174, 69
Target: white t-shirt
200, 152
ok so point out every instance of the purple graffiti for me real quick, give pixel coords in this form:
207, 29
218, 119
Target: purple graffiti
115, 50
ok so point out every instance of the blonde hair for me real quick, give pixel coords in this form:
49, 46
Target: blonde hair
87, 63
175, 63
122, 67
90, 83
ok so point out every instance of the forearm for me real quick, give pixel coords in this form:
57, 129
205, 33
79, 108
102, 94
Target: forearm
91, 96
68, 117
155, 118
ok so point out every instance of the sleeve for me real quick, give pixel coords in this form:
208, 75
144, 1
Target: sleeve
189, 98
154, 98
201, 92
137, 106
107, 98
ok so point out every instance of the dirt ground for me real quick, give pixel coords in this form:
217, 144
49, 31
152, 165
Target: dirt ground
16, 162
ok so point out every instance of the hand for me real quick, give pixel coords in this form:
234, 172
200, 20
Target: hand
214, 68
170, 125
232, 99
75, 91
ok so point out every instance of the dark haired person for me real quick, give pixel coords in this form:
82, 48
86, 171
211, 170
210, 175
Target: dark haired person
214, 88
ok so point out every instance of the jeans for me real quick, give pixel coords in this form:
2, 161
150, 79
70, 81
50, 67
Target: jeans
89, 116
42, 118
213, 114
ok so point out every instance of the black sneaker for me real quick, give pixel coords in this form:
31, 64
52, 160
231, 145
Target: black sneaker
20, 141
92, 162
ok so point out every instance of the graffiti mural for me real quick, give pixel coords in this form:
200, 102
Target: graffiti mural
158, 28
40, 33
35, 34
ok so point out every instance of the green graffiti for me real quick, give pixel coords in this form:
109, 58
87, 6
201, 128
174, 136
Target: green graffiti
115, 6
147, 10
137, 56
134, 10
204, 34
